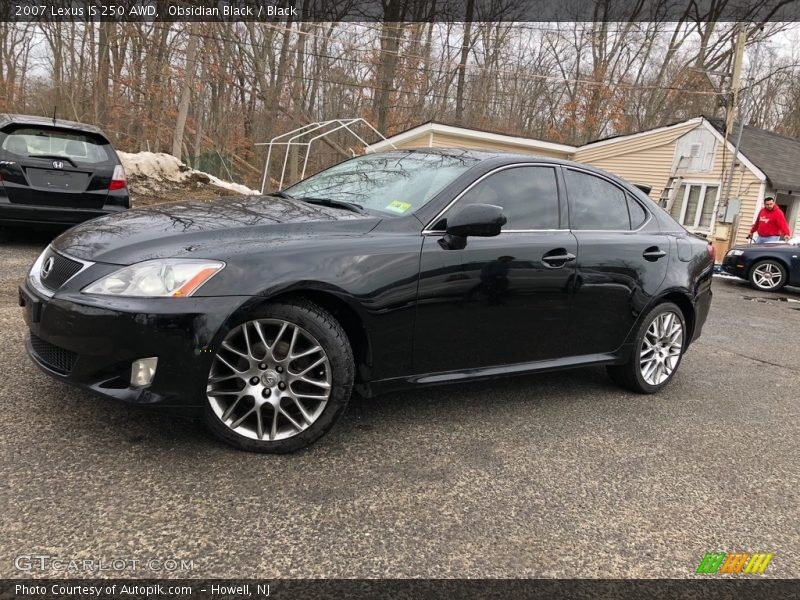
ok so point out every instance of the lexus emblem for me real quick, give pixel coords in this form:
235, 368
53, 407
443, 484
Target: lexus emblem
47, 267
57, 164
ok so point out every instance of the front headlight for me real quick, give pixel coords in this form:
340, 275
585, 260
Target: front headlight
164, 278
735, 252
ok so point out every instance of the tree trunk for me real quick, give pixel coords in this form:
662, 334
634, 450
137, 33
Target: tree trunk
462, 65
186, 92
103, 63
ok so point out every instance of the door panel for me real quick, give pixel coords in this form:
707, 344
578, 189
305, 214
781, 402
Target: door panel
617, 275
622, 260
494, 302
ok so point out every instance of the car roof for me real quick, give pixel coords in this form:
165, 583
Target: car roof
505, 157
15, 119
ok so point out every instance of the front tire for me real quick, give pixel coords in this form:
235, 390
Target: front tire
280, 379
658, 350
768, 275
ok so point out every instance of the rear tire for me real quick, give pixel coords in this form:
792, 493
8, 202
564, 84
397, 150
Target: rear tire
280, 379
768, 276
658, 350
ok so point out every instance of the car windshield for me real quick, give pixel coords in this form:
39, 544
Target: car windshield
395, 183
43, 142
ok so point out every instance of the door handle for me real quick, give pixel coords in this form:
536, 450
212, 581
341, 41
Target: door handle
557, 258
653, 253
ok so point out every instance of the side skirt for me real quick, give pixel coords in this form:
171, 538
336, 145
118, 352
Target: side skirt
382, 386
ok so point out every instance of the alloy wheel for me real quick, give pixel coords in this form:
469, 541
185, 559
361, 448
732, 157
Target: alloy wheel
767, 275
661, 348
270, 380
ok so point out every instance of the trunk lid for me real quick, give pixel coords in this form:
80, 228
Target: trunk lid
48, 166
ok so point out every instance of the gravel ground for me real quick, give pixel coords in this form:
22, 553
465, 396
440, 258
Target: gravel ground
555, 475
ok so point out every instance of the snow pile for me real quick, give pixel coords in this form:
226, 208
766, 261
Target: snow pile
157, 177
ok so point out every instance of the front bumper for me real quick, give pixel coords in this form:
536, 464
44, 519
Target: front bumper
735, 265
91, 343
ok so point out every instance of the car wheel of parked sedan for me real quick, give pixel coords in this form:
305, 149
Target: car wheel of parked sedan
658, 350
280, 379
768, 275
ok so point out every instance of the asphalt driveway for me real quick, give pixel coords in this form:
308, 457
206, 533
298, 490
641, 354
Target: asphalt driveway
550, 475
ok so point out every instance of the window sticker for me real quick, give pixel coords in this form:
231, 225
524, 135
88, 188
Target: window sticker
398, 206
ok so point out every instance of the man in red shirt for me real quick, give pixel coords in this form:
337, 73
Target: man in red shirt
770, 225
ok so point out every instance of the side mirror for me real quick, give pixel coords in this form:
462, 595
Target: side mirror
482, 220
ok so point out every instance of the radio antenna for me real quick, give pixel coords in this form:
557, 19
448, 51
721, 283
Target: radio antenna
55, 107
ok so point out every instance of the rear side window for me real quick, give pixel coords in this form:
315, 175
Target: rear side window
55, 143
528, 195
595, 203
637, 212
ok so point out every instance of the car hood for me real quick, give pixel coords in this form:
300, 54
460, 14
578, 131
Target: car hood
205, 229
768, 246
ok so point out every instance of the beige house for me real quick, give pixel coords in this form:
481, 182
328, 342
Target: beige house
685, 164
438, 135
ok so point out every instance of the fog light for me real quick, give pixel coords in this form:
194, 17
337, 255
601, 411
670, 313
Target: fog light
143, 370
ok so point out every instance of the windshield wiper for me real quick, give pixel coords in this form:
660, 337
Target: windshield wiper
334, 203
281, 194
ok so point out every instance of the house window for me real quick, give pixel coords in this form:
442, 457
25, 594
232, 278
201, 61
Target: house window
693, 206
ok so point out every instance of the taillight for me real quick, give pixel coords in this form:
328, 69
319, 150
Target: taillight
118, 179
712, 253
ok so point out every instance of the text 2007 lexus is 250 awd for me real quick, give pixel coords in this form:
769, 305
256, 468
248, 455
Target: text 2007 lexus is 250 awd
386, 271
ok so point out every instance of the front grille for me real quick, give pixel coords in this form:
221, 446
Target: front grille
60, 271
58, 359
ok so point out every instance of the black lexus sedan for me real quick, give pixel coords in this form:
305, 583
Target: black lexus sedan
768, 267
387, 271
57, 173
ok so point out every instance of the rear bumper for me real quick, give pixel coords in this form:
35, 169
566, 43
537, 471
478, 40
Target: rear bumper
26, 214
702, 306
93, 346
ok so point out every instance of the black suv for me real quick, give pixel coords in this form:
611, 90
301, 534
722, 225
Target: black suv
55, 172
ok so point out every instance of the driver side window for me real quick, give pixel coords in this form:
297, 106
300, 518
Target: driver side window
528, 196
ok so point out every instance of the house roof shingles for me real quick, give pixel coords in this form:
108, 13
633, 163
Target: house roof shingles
776, 155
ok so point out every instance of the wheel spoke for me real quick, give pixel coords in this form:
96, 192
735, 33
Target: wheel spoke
311, 367
259, 424
231, 408
257, 327
274, 429
289, 418
230, 348
247, 342
227, 364
303, 411
309, 396
665, 324
218, 378
308, 352
280, 335
648, 367
292, 343
322, 384
241, 419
